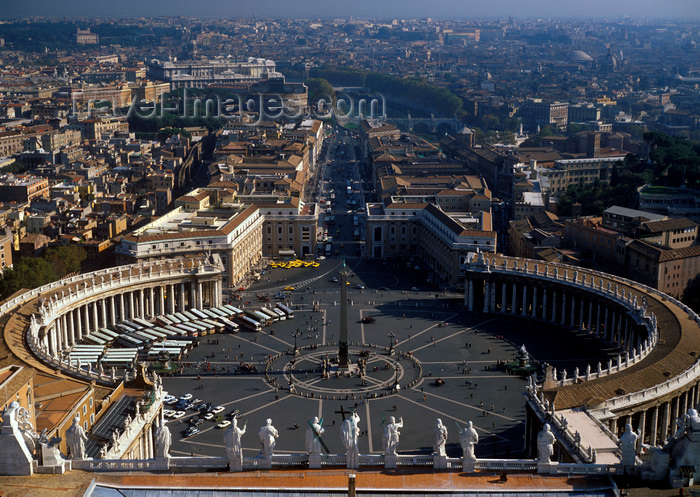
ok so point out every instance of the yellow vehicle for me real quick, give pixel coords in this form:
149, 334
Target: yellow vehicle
289, 288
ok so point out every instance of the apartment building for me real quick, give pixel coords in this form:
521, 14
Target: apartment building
405, 227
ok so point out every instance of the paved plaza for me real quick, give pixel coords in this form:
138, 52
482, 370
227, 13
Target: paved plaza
434, 338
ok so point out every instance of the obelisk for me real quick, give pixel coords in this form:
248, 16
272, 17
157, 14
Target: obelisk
343, 335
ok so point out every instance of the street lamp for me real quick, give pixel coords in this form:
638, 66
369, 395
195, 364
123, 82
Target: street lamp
296, 335
391, 336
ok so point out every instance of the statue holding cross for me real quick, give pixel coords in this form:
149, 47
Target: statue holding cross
313, 437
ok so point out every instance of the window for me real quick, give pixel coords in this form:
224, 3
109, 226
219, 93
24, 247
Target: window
84, 410
90, 401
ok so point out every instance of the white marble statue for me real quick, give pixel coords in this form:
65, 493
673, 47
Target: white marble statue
163, 439
628, 446
439, 438
313, 437
545, 444
349, 432
76, 438
268, 435
29, 434
234, 447
468, 438
390, 438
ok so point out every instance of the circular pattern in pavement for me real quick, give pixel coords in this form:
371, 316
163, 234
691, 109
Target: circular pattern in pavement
314, 372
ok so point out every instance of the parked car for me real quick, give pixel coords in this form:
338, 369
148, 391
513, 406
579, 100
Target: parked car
224, 424
217, 409
179, 414
360, 287
191, 431
208, 416
334, 279
187, 396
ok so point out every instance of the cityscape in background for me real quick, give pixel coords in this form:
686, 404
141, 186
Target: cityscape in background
377, 221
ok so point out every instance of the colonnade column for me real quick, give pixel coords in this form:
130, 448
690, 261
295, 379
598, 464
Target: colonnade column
141, 312
572, 318
53, 343
182, 294
523, 312
544, 304
563, 309
666, 421
95, 322
171, 299
492, 300
597, 322
504, 291
86, 320
112, 310
654, 426
199, 295
121, 306
130, 313
79, 322
66, 330
534, 302
487, 294
161, 301
56, 332
642, 423
103, 305
71, 328
590, 316
554, 306
619, 328
606, 331
514, 302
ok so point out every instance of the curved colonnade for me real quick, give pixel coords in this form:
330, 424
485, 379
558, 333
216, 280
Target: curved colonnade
61, 314
655, 376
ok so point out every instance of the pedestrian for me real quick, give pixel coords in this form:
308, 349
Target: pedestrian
424, 397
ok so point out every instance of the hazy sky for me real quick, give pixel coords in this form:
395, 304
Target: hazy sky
464, 9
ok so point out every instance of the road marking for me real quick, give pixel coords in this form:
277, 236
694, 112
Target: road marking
369, 428
280, 340
264, 406
259, 345
323, 335
452, 335
481, 409
320, 409
426, 330
362, 326
452, 417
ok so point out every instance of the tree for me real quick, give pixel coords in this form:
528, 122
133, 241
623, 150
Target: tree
319, 87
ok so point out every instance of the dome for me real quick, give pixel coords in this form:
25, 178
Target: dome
579, 56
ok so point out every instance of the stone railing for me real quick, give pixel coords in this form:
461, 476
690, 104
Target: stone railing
569, 275
687, 377
114, 464
289, 460
506, 464
586, 469
220, 463
560, 423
